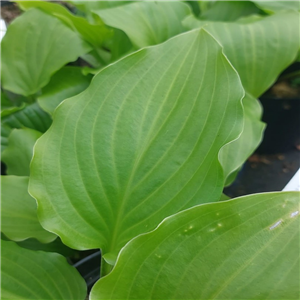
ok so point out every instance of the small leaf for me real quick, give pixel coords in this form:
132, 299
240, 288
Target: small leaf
30, 116
67, 82
245, 248
31, 54
19, 212
140, 143
18, 154
147, 23
37, 275
260, 50
94, 34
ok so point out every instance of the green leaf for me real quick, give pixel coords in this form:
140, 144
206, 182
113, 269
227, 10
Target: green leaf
18, 154
19, 212
194, 5
38, 275
31, 54
271, 7
147, 23
30, 116
56, 246
229, 11
67, 82
88, 6
119, 45
245, 248
94, 34
258, 66
259, 51
224, 197
7, 106
139, 144
234, 154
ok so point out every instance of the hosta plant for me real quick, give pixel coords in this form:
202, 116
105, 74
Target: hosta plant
129, 150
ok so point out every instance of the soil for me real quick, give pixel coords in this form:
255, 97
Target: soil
265, 173
9, 11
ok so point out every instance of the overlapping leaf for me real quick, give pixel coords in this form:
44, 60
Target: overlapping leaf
277, 6
37, 275
31, 54
95, 34
245, 248
140, 144
260, 50
147, 23
30, 116
19, 211
18, 154
67, 82
229, 11
10, 105
33, 244
88, 6
234, 154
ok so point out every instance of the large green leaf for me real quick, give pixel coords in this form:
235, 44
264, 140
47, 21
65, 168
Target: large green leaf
19, 211
260, 50
139, 144
277, 6
147, 23
229, 11
94, 34
31, 54
30, 116
234, 154
67, 82
18, 154
246, 248
38, 275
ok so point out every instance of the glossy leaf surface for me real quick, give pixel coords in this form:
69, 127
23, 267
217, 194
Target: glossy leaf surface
95, 34
67, 82
31, 54
139, 144
229, 11
18, 154
147, 23
38, 275
30, 116
19, 211
260, 50
245, 248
